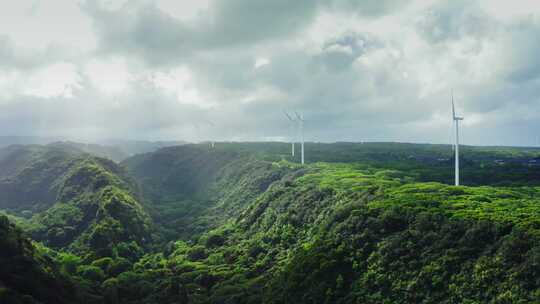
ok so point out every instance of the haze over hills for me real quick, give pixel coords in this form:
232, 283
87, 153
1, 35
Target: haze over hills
114, 149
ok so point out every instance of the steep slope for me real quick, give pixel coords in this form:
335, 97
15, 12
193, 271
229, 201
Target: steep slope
72, 200
191, 188
334, 233
26, 173
94, 210
26, 275
412, 243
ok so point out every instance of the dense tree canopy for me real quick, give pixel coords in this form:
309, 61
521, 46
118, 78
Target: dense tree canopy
244, 223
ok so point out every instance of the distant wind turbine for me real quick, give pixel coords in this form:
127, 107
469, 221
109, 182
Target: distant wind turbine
301, 123
212, 142
456, 120
293, 139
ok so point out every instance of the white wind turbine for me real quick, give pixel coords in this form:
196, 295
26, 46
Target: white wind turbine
301, 121
212, 142
456, 120
293, 139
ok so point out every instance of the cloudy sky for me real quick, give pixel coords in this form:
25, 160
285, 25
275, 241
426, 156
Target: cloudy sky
373, 70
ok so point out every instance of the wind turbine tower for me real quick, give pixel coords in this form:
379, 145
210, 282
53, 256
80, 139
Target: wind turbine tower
293, 122
212, 141
456, 120
301, 123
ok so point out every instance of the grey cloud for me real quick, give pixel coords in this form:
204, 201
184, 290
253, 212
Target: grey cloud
454, 20
515, 71
522, 46
340, 52
12, 57
241, 21
141, 28
367, 8
144, 112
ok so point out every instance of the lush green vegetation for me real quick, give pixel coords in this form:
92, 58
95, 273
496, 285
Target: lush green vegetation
26, 274
243, 223
190, 189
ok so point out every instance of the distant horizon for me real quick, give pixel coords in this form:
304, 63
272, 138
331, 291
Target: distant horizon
59, 139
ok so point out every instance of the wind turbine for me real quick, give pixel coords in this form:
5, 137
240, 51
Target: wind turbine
301, 121
456, 120
212, 142
293, 121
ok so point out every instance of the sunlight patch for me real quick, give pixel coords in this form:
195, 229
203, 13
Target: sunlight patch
180, 82
57, 80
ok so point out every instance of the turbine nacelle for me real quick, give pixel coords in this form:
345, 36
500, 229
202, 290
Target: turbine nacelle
454, 117
289, 116
299, 116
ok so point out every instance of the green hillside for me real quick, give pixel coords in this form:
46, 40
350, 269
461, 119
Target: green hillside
243, 223
330, 233
71, 200
27, 275
190, 189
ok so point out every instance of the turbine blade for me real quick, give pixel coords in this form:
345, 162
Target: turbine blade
288, 116
453, 107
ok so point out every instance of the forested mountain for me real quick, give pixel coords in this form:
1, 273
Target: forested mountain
26, 274
71, 199
192, 188
244, 223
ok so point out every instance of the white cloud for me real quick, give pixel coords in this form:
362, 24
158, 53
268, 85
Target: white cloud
58, 22
190, 11
508, 11
55, 80
109, 76
180, 83
260, 62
